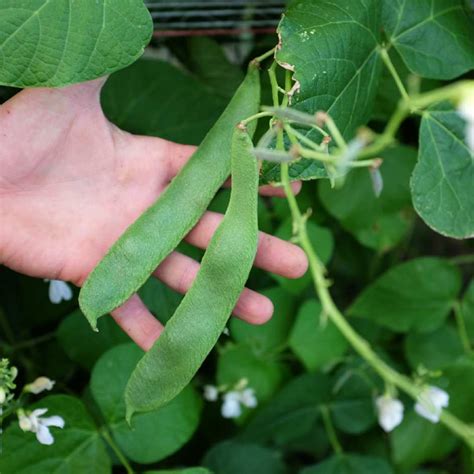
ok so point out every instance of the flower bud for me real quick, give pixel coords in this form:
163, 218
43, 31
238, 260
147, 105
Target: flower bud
389, 411
431, 402
39, 385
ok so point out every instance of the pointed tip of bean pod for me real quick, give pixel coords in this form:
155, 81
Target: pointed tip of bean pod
129, 415
91, 318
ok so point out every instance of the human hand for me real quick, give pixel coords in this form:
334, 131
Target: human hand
71, 183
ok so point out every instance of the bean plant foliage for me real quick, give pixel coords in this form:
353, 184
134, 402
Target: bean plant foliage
367, 365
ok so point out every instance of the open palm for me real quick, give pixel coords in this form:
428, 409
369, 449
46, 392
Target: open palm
71, 183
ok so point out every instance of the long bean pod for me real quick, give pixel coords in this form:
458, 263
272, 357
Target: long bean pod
154, 235
199, 320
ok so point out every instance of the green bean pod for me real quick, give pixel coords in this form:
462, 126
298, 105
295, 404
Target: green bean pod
154, 235
201, 317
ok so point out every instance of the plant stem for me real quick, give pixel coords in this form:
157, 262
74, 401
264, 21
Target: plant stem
388, 62
113, 445
256, 117
461, 325
360, 345
264, 56
330, 431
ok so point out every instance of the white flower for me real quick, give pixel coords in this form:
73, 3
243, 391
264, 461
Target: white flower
231, 406
466, 111
58, 291
3, 395
248, 398
389, 411
40, 426
211, 393
39, 385
431, 402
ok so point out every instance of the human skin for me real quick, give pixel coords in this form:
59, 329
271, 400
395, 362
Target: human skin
71, 183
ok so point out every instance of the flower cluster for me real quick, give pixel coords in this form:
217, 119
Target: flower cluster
7, 377
234, 399
430, 403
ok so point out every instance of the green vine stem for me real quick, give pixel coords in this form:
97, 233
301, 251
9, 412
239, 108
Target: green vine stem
360, 345
321, 284
330, 431
110, 441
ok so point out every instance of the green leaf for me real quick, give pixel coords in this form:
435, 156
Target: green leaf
77, 448
53, 43
292, 412
352, 403
417, 441
350, 464
467, 308
154, 435
443, 179
379, 223
84, 346
423, 349
415, 295
323, 242
176, 107
434, 37
273, 335
460, 387
231, 457
315, 341
317, 42
239, 361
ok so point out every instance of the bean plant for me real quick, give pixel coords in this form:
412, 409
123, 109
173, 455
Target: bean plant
367, 365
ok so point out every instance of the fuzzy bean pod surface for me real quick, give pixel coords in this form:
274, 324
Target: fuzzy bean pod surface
154, 235
201, 317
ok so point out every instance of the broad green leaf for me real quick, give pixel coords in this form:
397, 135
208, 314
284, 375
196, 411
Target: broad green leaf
350, 464
231, 457
352, 403
378, 223
443, 179
415, 295
460, 387
54, 43
292, 412
323, 243
84, 346
155, 98
434, 37
273, 335
417, 441
423, 349
318, 43
240, 361
77, 447
467, 309
154, 435
314, 339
